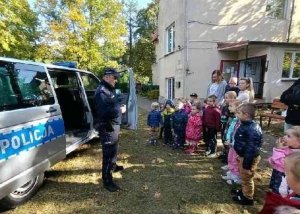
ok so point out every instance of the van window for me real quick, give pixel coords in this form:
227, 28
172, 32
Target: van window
7, 96
23, 86
89, 81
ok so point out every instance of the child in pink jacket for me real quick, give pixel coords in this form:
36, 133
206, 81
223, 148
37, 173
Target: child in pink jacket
193, 129
285, 146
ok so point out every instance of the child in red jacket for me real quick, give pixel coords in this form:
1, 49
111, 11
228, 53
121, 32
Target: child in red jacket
193, 129
211, 125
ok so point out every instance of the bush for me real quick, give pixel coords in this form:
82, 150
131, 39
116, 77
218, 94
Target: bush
123, 86
148, 87
153, 94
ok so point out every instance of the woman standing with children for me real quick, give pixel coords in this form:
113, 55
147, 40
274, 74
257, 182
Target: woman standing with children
217, 86
246, 93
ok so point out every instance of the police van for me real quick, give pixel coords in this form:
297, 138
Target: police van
46, 112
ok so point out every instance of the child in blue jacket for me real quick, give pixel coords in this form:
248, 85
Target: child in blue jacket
179, 121
154, 120
247, 144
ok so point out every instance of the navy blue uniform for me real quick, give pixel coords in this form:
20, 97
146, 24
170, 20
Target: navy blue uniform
108, 119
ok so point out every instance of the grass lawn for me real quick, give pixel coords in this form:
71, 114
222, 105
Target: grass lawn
156, 179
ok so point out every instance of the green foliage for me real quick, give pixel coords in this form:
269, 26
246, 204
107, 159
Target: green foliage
153, 94
148, 87
147, 20
85, 31
143, 58
18, 29
88, 32
142, 54
123, 82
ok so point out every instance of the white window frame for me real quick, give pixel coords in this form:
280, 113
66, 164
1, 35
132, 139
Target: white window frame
291, 67
273, 8
170, 88
170, 38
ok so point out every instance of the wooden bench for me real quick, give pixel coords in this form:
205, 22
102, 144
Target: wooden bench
276, 108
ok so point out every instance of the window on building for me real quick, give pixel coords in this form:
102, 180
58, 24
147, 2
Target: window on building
276, 8
291, 65
170, 38
170, 89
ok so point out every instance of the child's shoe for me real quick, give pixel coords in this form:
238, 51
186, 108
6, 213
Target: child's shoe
236, 192
207, 152
228, 176
225, 167
212, 155
232, 182
242, 200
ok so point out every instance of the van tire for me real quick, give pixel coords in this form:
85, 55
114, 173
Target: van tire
23, 193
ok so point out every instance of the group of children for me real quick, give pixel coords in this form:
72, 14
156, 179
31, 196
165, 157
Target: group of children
185, 123
179, 121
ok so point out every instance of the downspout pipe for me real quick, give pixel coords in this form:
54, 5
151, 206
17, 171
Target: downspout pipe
186, 56
245, 70
291, 21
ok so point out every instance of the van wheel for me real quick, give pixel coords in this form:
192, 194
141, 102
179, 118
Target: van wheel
23, 193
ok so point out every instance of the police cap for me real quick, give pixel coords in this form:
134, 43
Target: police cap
111, 71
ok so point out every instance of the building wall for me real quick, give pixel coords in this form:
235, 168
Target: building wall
295, 32
155, 74
274, 85
205, 24
232, 20
171, 65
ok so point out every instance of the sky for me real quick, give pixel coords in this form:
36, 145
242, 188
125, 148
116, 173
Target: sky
143, 3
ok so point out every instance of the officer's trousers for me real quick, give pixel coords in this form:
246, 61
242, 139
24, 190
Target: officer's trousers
109, 141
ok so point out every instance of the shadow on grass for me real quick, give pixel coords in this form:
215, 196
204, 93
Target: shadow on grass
58, 173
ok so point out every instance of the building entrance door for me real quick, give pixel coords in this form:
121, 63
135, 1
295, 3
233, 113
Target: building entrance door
255, 69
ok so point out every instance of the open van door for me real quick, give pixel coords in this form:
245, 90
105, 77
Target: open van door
126, 91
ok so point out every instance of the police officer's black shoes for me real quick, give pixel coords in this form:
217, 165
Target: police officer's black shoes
117, 168
111, 186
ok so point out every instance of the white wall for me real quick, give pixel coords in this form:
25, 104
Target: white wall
233, 20
274, 86
295, 32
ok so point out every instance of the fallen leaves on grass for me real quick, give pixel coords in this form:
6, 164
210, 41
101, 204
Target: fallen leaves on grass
158, 160
157, 195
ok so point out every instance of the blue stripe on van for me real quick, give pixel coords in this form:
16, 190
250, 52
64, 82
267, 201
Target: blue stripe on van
16, 141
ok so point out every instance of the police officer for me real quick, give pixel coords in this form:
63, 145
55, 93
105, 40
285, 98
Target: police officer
109, 113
